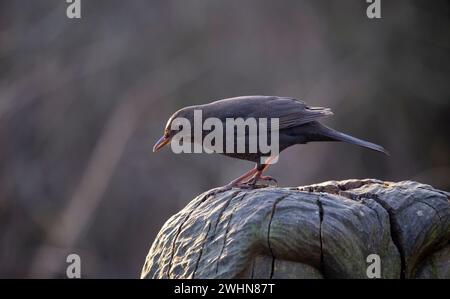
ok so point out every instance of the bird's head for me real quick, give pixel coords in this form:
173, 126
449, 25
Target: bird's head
169, 131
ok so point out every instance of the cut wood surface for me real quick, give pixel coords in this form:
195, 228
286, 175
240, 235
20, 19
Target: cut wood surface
326, 230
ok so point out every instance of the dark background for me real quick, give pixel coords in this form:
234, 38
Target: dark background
83, 100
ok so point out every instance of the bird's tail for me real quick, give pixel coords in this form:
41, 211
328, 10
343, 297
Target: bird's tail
334, 135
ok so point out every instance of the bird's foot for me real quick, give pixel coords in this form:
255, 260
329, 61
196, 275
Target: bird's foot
228, 187
269, 179
254, 182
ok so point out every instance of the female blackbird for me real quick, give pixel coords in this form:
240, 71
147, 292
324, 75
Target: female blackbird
297, 124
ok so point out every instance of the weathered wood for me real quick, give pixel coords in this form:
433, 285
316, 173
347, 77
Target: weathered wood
320, 231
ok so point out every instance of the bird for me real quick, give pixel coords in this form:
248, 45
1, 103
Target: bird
298, 123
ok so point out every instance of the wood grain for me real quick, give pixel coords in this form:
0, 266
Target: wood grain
319, 231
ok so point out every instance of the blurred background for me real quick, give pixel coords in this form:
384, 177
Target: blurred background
82, 102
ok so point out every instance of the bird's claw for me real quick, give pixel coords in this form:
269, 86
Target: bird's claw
254, 180
252, 183
269, 178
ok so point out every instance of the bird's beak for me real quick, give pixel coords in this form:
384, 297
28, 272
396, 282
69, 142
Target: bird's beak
160, 143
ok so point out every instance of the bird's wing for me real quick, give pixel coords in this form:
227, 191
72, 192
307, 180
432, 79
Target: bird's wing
292, 113
289, 111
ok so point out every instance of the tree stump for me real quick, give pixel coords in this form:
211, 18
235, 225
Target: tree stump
328, 230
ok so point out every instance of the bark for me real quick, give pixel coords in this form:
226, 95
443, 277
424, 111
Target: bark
326, 230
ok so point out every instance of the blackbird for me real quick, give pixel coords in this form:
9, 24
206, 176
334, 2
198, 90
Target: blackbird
297, 124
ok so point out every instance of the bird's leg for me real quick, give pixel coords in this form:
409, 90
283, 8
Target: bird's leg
236, 182
252, 176
258, 176
239, 180
268, 178
251, 182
